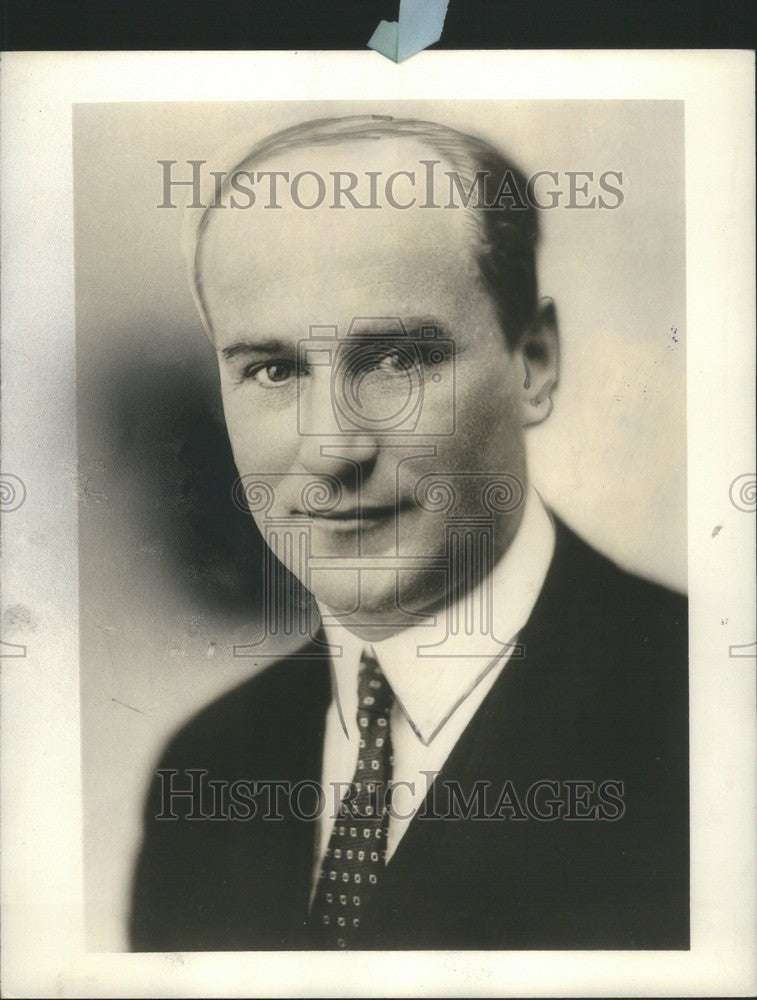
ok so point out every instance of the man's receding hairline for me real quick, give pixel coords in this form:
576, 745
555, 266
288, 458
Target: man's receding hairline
331, 131
461, 146
464, 152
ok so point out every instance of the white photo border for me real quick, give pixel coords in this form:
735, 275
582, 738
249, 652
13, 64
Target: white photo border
42, 895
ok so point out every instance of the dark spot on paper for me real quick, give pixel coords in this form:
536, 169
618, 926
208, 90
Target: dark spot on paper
19, 618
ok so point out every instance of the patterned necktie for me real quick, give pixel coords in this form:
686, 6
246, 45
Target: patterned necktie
354, 860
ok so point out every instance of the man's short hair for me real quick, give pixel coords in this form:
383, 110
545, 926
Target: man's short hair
507, 228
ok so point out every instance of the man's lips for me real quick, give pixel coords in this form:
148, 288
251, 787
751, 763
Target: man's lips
361, 514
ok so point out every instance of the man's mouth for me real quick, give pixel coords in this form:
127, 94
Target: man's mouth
361, 517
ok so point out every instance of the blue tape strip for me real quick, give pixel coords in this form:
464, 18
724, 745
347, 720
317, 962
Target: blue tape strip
420, 25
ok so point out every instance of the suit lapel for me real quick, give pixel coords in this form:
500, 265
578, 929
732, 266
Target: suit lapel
291, 753
454, 869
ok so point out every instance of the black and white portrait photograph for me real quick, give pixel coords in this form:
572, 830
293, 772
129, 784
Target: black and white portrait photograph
383, 420
462, 716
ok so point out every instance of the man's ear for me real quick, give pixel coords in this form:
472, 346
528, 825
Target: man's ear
539, 350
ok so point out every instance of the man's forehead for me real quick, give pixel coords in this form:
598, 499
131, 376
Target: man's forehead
264, 242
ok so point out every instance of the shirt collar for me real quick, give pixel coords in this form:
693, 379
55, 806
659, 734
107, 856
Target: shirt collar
431, 669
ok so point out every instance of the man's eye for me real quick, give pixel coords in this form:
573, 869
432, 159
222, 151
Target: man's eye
271, 374
397, 362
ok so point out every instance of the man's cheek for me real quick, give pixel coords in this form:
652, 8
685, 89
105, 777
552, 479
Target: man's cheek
486, 409
476, 417
259, 444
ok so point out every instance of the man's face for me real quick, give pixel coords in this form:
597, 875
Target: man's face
334, 417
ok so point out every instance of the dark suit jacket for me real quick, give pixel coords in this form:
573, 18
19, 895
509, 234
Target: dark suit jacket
599, 694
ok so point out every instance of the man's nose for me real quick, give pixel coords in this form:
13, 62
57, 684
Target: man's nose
327, 448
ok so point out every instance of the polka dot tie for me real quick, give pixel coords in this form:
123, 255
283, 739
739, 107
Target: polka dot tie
355, 857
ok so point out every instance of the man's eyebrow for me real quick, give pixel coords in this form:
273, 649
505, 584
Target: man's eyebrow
425, 327
255, 347
417, 328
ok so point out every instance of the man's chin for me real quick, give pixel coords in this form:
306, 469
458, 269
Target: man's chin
372, 607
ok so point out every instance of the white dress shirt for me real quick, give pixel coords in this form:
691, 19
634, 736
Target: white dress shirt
435, 695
